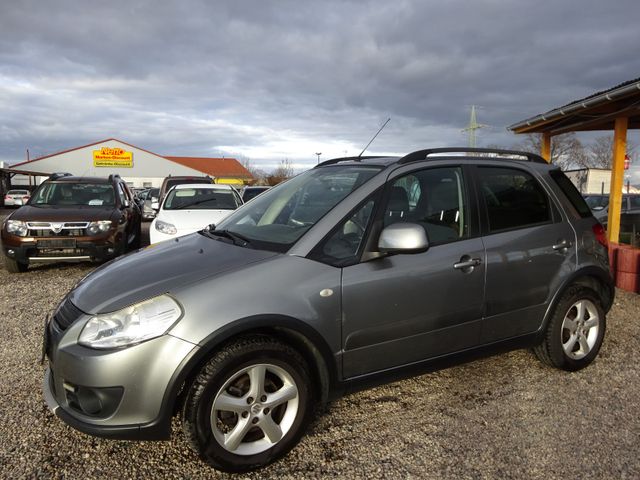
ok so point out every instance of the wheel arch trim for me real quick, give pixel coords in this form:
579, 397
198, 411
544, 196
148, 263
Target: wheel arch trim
296, 333
585, 276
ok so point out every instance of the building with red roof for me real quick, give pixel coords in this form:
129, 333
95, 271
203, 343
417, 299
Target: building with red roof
137, 166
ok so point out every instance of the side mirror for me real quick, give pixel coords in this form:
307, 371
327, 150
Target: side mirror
403, 238
155, 205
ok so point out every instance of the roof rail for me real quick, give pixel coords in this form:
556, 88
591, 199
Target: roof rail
423, 154
333, 161
56, 175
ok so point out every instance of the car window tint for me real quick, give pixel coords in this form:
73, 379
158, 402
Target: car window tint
513, 198
123, 196
634, 201
343, 246
434, 198
571, 192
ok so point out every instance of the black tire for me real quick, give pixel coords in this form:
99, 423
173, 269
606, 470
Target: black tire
13, 266
574, 344
226, 374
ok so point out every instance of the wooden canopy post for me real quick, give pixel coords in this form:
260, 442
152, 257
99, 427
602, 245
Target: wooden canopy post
545, 148
617, 178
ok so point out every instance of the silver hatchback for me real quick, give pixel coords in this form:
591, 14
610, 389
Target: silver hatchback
356, 271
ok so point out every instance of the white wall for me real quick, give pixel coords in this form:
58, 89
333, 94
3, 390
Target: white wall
147, 167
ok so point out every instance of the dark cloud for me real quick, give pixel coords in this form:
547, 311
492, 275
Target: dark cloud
270, 80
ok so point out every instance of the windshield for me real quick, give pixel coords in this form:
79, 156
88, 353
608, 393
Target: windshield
276, 219
66, 193
200, 199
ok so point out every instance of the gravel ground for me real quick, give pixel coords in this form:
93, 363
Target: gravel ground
506, 416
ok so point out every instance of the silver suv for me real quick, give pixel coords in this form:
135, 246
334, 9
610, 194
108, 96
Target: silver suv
356, 271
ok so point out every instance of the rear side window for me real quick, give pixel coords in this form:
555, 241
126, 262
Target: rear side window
571, 192
513, 199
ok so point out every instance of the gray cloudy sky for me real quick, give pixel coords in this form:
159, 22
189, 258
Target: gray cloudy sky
270, 80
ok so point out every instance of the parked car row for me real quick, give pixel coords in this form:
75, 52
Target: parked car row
629, 211
357, 271
89, 218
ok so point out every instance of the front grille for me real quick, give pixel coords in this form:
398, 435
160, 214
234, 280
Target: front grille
66, 314
76, 232
57, 229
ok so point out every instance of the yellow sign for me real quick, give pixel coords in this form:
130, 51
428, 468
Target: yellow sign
112, 157
229, 181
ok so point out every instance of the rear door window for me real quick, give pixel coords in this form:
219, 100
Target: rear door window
513, 199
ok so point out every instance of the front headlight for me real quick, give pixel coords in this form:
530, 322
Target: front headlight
134, 324
166, 228
17, 227
100, 226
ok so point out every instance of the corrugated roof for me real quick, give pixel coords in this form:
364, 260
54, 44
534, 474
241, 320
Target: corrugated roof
216, 167
594, 112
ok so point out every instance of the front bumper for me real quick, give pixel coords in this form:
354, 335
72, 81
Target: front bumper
28, 251
122, 394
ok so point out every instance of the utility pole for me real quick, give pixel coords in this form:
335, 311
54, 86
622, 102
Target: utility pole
472, 127
318, 154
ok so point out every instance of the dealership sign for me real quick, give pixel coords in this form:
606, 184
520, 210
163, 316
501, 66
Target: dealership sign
112, 157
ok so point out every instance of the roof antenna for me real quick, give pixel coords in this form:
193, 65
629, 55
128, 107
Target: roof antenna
374, 137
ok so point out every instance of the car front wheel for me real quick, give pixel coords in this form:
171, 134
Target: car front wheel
249, 405
575, 331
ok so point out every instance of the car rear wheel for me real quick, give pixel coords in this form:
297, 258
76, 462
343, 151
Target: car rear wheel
13, 266
575, 331
249, 405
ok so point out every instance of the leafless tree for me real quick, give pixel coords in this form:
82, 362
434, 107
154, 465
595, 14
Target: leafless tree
566, 150
259, 175
283, 172
601, 151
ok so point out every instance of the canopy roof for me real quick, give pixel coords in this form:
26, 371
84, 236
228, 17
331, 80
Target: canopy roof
595, 112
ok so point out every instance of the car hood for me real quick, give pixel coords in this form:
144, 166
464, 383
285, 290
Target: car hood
157, 269
192, 220
62, 213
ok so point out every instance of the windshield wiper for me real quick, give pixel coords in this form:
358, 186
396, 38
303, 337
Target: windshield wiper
236, 238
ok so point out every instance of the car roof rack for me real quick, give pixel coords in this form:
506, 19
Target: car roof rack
333, 161
56, 175
423, 154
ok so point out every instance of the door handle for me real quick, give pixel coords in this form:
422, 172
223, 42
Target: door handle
563, 245
467, 263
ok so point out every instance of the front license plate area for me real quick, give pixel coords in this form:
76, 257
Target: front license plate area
57, 243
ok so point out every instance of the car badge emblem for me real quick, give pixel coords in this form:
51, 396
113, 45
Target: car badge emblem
57, 227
